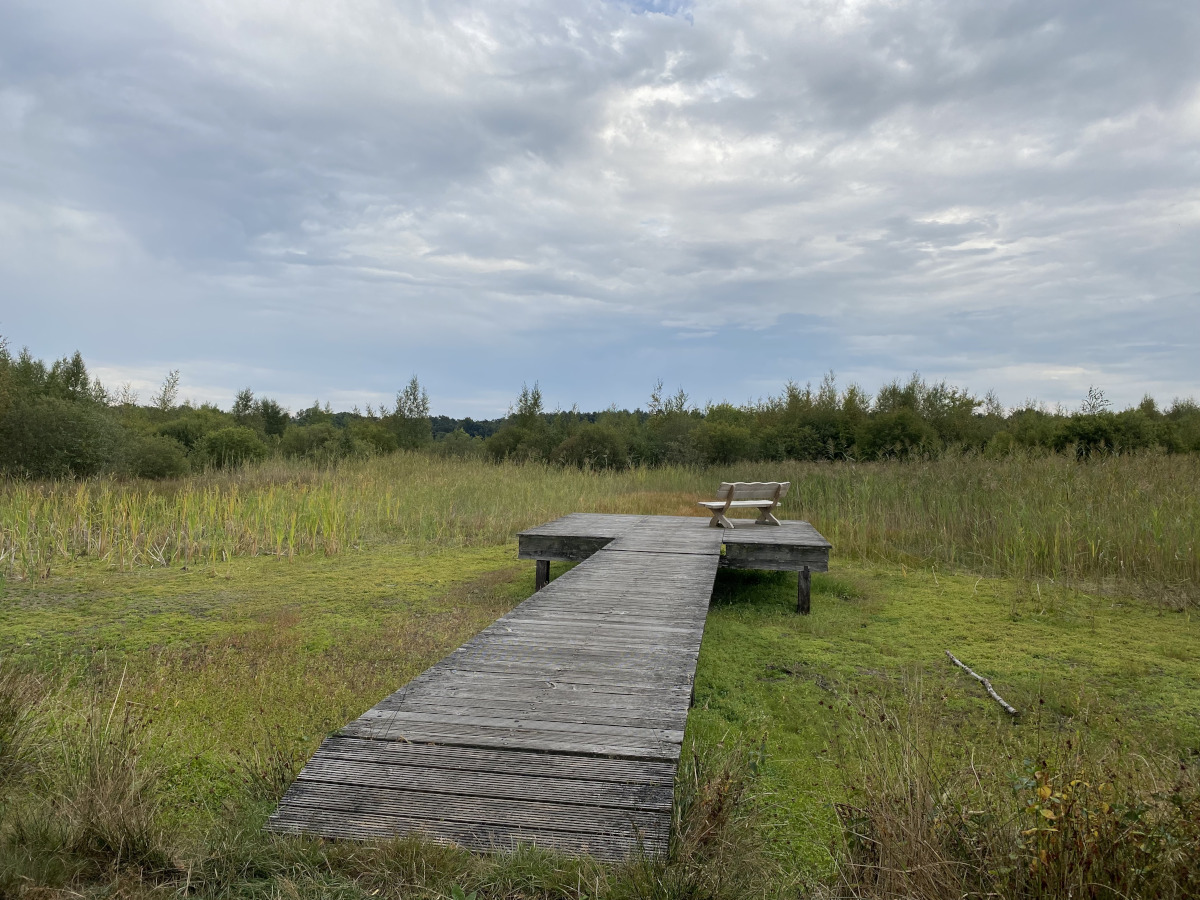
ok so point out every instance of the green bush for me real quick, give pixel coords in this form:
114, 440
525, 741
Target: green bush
1089, 434
1001, 445
231, 447
374, 435
723, 442
594, 447
49, 437
517, 442
154, 456
325, 443
460, 445
894, 434
308, 440
190, 428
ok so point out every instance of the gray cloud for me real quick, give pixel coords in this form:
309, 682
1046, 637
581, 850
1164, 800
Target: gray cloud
325, 198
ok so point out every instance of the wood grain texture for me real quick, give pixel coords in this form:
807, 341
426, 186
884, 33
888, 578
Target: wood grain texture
561, 723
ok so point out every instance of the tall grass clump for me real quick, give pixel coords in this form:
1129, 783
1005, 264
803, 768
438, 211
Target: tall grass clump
1132, 518
720, 843
90, 806
1039, 815
20, 695
287, 507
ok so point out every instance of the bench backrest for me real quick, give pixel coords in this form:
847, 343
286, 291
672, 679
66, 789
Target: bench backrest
753, 490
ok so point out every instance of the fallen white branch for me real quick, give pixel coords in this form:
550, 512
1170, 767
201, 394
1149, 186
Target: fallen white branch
987, 684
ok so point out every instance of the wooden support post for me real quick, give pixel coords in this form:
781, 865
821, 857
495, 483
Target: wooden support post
543, 574
804, 591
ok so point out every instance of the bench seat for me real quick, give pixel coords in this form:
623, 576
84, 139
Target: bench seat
739, 504
761, 495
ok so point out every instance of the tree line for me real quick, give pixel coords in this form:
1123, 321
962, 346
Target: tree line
57, 421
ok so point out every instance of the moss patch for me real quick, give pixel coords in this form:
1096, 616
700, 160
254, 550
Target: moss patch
1118, 671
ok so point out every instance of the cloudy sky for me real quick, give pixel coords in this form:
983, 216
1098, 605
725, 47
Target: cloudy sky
320, 198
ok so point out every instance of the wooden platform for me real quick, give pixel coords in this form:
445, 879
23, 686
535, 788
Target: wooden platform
787, 547
562, 723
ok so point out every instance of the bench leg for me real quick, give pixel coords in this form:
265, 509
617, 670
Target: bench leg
543, 574
765, 518
804, 591
719, 521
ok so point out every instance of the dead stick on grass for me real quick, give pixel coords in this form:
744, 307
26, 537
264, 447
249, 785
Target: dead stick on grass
987, 684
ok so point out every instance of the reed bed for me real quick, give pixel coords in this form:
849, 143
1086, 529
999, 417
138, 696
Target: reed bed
1132, 518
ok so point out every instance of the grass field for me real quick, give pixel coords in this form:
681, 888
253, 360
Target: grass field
171, 654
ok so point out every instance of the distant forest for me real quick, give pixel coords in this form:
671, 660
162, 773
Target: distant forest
57, 421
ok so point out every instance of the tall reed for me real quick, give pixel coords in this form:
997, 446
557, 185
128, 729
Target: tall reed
1130, 518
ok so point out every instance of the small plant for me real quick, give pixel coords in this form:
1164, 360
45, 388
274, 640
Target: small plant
20, 694
928, 823
1092, 838
269, 767
104, 796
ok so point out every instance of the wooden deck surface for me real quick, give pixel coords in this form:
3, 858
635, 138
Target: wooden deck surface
561, 724
790, 546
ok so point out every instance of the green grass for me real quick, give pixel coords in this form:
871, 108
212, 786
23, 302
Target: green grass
1129, 521
1119, 672
255, 655
217, 673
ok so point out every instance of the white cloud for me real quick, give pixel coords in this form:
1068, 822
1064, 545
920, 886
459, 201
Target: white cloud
320, 192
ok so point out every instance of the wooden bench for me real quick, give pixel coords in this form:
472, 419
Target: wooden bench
761, 495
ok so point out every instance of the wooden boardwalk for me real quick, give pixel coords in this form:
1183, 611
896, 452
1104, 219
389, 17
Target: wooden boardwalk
560, 725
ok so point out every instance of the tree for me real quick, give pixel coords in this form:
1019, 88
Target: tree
126, 395
413, 401
69, 379
528, 410
164, 400
1095, 402
274, 418
410, 420
243, 404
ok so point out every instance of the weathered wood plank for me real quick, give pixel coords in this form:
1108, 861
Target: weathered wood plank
404, 802
413, 719
516, 738
631, 717
568, 791
560, 724
475, 759
486, 837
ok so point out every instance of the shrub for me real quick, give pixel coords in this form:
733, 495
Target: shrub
1001, 445
49, 437
154, 456
894, 434
803, 443
594, 447
513, 442
191, 425
1089, 434
460, 445
307, 440
231, 447
721, 442
373, 435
